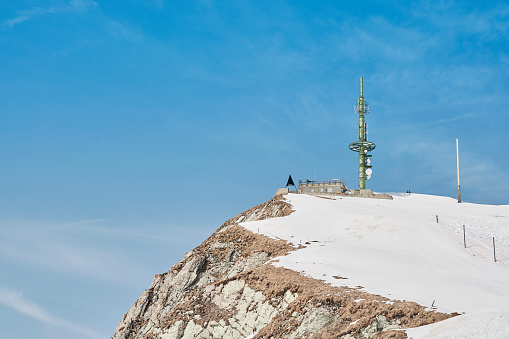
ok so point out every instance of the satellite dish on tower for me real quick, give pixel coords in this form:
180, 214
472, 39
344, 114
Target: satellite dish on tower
368, 173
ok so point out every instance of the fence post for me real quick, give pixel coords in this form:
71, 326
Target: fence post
494, 257
464, 238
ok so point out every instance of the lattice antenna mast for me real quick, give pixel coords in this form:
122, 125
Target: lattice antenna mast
363, 146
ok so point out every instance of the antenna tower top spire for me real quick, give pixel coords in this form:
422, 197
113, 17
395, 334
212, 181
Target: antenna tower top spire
363, 146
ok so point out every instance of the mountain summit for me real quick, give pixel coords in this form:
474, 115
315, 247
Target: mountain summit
300, 266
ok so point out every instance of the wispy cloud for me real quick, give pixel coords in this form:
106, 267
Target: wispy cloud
81, 5
159, 4
74, 224
71, 6
125, 32
90, 249
138, 234
381, 40
68, 255
489, 24
480, 175
449, 119
16, 301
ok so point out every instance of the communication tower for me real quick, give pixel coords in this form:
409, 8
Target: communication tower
363, 146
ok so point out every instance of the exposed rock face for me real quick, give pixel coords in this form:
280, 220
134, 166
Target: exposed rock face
225, 288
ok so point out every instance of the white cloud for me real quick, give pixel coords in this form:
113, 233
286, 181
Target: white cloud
71, 6
16, 301
17, 20
382, 40
73, 224
88, 249
125, 32
480, 176
68, 255
449, 119
159, 4
489, 24
81, 5
28, 14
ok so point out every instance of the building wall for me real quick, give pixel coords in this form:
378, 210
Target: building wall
325, 188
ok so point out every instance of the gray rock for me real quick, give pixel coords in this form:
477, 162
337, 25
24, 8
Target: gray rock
314, 322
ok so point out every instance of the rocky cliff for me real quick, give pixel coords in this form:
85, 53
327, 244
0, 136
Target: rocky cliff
227, 288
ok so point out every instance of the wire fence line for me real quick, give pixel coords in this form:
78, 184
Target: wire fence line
479, 241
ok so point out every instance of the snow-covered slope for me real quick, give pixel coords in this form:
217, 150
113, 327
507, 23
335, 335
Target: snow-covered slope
397, 249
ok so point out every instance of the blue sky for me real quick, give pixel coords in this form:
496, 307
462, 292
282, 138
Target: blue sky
130, 130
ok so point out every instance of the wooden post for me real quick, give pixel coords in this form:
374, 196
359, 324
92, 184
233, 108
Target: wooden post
464, 238
494, 257
458, 169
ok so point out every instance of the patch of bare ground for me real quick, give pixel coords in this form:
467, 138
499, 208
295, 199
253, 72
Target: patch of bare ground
352, 310
324, 197
244, 242
393, 334
199, 308
273, 208
338, 277
231, 240
241, 242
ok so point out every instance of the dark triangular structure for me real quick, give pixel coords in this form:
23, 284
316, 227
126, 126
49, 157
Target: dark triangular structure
290, 182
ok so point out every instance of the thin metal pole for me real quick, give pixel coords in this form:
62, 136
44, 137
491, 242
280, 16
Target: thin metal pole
464, 238
458, 170
494, 257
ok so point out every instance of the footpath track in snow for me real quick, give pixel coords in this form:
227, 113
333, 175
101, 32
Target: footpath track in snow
395, 248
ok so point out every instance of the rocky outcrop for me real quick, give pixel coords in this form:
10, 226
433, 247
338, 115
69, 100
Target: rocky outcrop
229, 309
230, 250
226, 288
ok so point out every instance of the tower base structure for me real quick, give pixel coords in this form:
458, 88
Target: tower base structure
332, 188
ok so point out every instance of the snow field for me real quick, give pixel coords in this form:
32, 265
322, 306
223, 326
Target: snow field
395, 248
